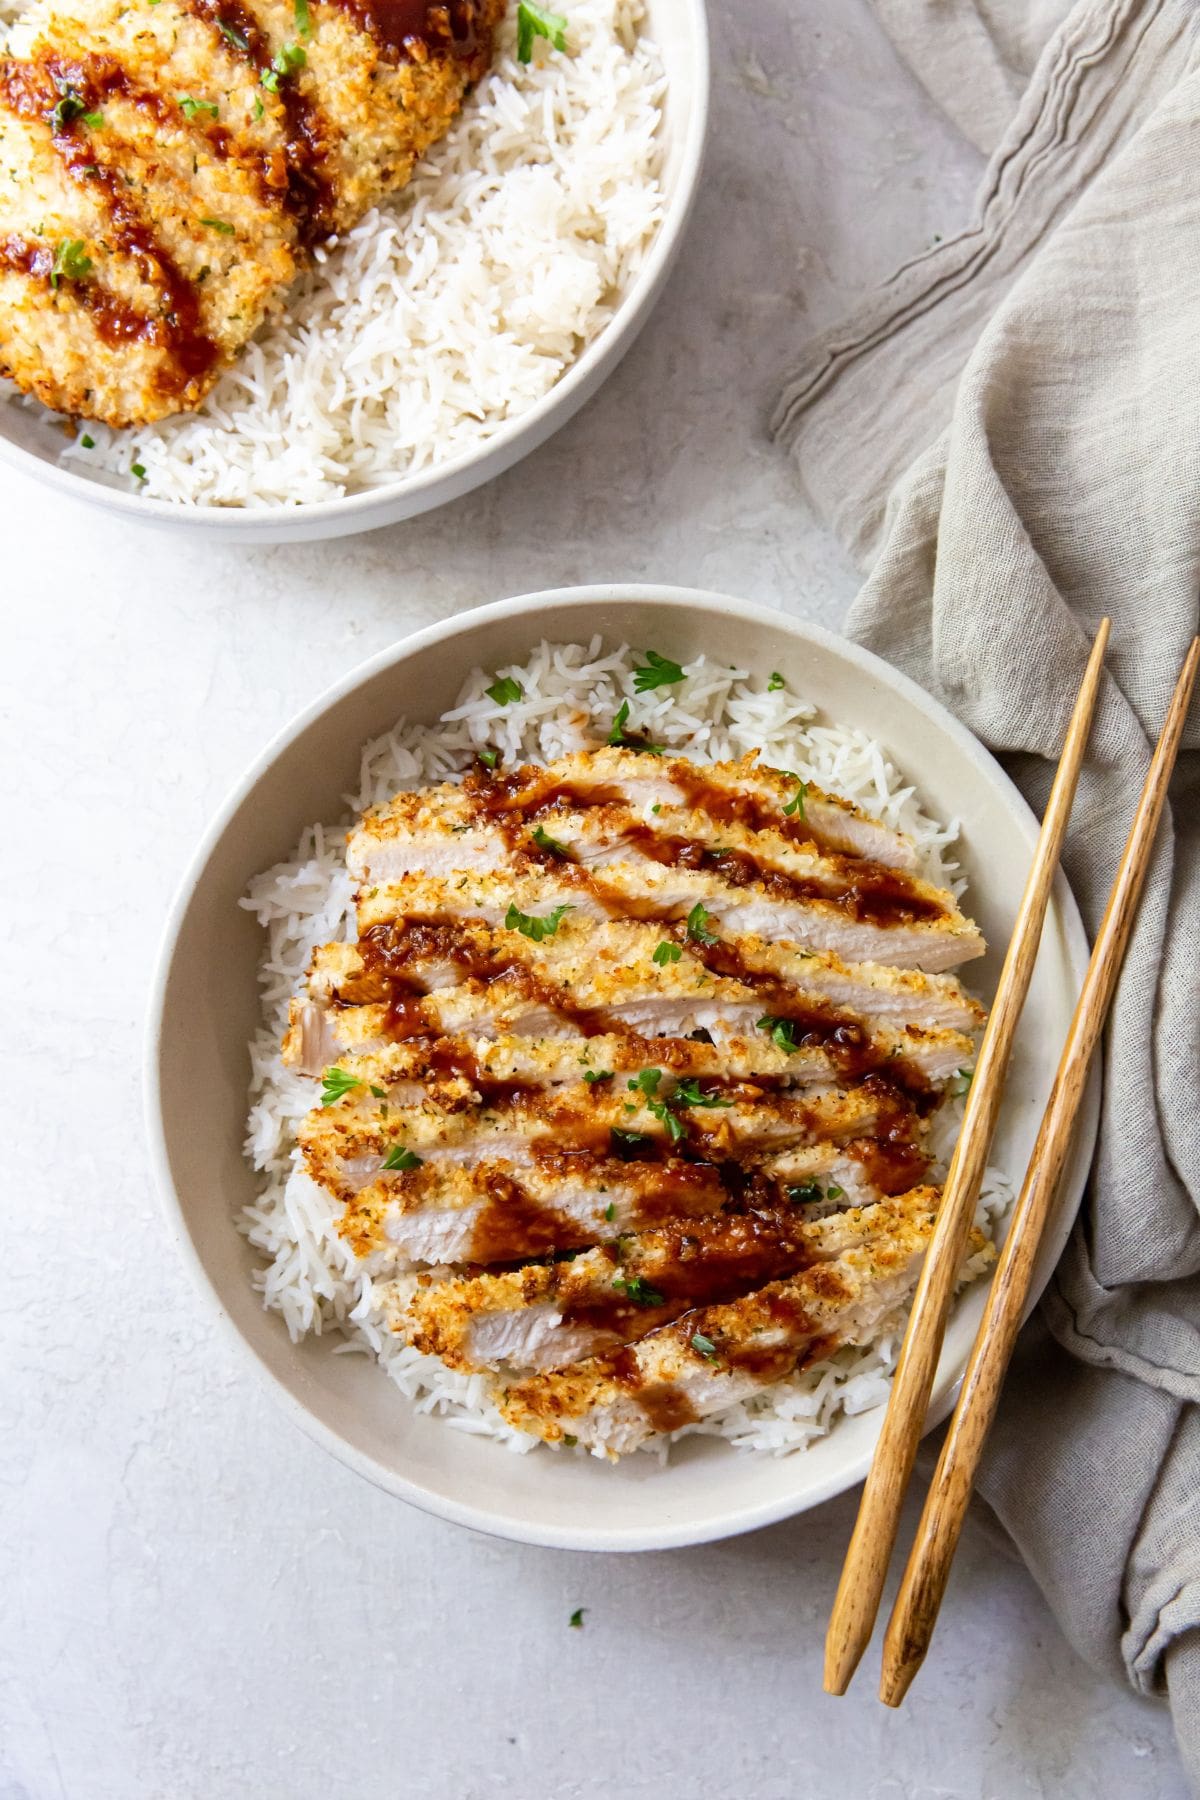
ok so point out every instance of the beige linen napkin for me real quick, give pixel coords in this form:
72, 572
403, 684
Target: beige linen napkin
1008, 437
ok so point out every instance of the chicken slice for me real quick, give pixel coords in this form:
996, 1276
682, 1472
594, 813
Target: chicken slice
748, 793
717, 1355
549, 1315
665, 893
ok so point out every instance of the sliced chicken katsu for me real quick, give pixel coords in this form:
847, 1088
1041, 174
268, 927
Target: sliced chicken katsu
770, 908
548, 1315
399, 949
347, 1143
746, 793
716, 1355
358, 1041
166, 168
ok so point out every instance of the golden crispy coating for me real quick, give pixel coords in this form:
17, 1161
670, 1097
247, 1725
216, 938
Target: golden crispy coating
166, 165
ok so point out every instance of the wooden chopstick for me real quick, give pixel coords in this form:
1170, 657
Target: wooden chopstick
857, 1602
915, 1612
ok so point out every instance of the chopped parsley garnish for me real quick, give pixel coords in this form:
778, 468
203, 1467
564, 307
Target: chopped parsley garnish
610, 1211
400, 1158
631, 1146
285, 62
489, 758
617, 735
576, 1618
796, 803
532, 927
592, 1075
805, 1193
638, 1289
963, 1084
504, 690
544, 841
71, 261
659, 671
775, 683
190, 107
666, 952
93, 120
233, 36
138, 470
535, 21
781, 1031
70, 106
218, 225
303, 18
336, 1084
646, 1083
258, 108
703, 1346
689, 1093
89, 443
570, 1440
834, 1193
697, 926
379, 1093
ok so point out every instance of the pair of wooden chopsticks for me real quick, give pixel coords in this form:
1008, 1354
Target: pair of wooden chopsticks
915, 1612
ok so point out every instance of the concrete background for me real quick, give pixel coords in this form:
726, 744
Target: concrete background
195, 1602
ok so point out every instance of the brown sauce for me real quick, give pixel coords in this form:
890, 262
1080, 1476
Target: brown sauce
415, 28
513, 1227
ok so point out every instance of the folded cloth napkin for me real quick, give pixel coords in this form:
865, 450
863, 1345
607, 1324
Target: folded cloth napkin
1008, 438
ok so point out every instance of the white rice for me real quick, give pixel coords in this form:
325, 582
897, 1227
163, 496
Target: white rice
451, 309
310, 1276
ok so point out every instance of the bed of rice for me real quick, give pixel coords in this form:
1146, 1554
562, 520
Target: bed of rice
309, 1275
449, 310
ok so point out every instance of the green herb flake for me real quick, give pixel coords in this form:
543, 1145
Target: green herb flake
138, 470
805, 1193
796, 803
489, 758
379, 1093
70, 261
690, 1093
544, 841
617, 735
594, 1075
68, 108
89, 443
782, 1032
303, 18
570, 1440
258, 108
190, 106
834, 1193
659, 671
666, 952
533, 927
218, 225
535, 21
400, 1158
963, 1083
697, 926
610, 1211
775, 682
638, 1289
94, 121
646, 1083
576, 1618
504, 690
233, 36
703, 1346
336, 1084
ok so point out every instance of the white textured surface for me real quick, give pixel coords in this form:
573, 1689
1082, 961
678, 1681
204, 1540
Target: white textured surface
195, 1603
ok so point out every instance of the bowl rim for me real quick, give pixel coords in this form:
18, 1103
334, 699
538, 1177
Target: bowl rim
558, 601
607, 348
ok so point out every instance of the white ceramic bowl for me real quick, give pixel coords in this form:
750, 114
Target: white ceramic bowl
206, 1007
31, 440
